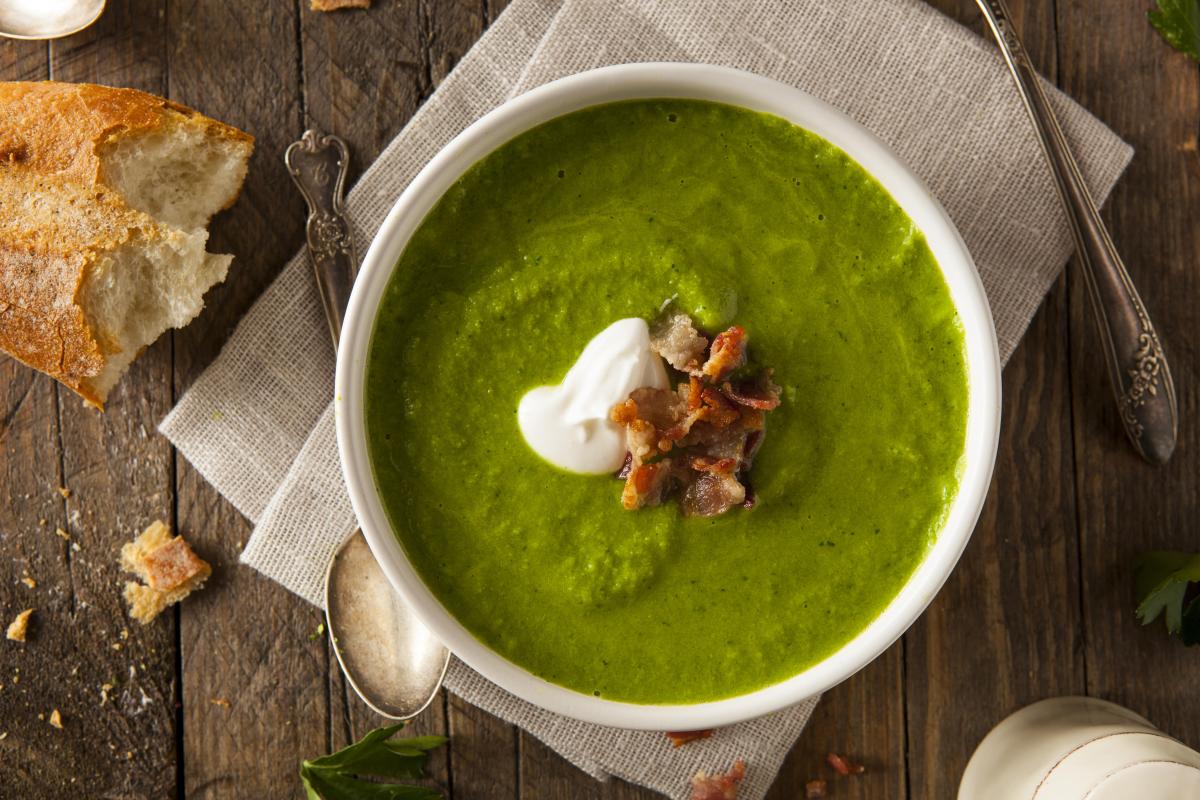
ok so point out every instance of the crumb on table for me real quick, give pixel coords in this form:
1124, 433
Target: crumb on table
169, 568
334, 5
19, 627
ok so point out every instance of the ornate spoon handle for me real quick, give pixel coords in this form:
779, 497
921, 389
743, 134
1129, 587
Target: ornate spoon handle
1137, 367
318, 164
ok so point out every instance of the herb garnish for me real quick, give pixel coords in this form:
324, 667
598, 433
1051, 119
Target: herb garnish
1179, 23
337, 775
1162, 584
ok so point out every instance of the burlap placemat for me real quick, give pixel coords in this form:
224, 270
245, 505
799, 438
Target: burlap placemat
258, 423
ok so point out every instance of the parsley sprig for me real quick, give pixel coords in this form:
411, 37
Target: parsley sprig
1179, 23
338, 776
1163, 578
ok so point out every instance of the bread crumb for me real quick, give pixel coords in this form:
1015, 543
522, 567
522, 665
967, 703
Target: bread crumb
220, 701
56, 719
42, 522
105, 688
61, 533
3, 736
167, 565
19, 627
30, 582
64, 491
334, 5
116, 645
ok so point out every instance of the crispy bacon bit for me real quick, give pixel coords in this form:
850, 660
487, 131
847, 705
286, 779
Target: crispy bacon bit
844, 766
674, 337
624, 413
762, 393
719, 787
680, 738
718, 410
646, 485
727, 354
814, 790
712, 494
717, 466
660, 407
711, 429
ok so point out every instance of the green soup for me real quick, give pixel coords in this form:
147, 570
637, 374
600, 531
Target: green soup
604, 214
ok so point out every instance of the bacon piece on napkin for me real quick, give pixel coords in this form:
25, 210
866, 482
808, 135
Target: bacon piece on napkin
719, 787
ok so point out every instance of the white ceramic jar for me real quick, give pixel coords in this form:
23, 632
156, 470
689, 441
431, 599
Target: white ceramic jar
1080, 748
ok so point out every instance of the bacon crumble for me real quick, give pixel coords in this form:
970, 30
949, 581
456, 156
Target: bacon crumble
711, 425
680, 738
844, 766
719, 787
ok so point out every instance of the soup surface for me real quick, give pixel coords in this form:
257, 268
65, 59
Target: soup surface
606, 213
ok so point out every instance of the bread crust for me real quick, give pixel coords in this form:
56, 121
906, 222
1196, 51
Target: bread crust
59, 216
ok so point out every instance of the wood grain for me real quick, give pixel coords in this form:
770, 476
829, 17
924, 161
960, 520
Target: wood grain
1119, 68
244, 640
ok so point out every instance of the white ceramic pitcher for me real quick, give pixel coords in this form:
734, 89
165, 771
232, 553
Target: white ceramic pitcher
1080, 748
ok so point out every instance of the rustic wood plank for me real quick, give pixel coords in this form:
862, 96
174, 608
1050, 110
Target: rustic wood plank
1005, 629
119, 477
1118, 66
483, 754
862, 719
245, 641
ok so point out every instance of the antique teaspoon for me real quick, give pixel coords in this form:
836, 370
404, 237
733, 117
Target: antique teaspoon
47, 19
394, 664
1137, 367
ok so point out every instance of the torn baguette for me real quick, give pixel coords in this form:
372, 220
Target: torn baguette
105, 196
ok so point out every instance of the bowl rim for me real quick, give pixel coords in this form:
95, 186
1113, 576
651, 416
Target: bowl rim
747, 90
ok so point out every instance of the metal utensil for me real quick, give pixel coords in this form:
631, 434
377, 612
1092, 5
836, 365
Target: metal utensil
47, 19
390, 659
1137, 367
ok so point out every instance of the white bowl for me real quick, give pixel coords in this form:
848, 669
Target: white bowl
705, 83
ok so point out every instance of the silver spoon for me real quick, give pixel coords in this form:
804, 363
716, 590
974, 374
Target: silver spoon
390, 659
47, 19
1137, 366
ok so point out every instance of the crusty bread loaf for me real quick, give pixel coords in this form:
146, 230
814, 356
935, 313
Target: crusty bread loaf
105, 195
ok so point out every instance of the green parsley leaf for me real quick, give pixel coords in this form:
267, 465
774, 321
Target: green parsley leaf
1162, 582
336, 776
1179, 23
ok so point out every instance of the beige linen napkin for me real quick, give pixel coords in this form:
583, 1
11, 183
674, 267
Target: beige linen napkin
258, 423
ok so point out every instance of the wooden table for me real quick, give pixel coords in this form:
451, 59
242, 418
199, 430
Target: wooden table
223, 697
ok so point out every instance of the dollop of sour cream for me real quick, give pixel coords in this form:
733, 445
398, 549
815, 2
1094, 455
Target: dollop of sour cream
568, 424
